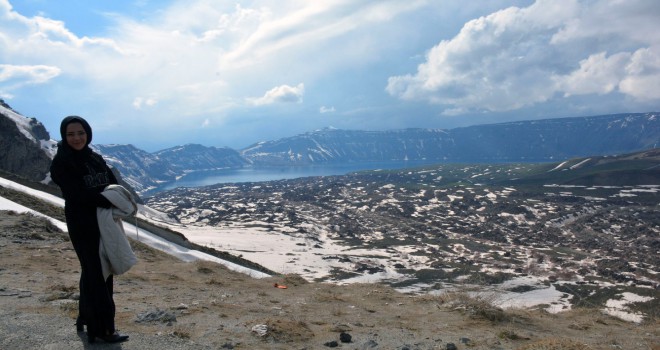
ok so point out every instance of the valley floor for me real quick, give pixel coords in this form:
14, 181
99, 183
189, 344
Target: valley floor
164, 303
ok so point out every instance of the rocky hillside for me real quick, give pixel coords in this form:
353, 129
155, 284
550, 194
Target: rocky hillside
25, 145
523, 229
163, 303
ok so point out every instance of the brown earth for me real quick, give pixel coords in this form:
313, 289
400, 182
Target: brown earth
163, 303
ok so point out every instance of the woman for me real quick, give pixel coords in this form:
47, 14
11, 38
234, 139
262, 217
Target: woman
82, 175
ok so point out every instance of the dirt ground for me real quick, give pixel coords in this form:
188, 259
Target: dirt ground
163, 303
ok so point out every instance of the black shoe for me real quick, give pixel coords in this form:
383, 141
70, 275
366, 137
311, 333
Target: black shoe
112, 338
80, 324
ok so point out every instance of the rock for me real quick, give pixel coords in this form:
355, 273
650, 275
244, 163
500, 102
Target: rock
345, 337
451, 346
156, 316
260, 329
371, 344
332, 344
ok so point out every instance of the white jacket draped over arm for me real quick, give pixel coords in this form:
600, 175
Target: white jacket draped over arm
116, 254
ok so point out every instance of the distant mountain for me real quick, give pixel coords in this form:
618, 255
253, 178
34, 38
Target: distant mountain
142, 170
193, 157
539, 140
558, 139
348, 146
145, 171
26, 148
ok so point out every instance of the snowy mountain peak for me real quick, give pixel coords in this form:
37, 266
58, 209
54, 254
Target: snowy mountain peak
31, 128
25, 144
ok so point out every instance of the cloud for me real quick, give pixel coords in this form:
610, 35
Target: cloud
43, 35
642, 78
519, 57
38, 74
14, 77
37, 49
140, 102
292, 26
227, 52
281, 94
598, 74
325, 109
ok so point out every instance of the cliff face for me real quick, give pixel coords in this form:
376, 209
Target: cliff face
22, 155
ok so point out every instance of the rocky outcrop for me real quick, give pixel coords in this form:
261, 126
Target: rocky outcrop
21, 155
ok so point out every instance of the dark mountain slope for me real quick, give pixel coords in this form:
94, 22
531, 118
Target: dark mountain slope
639, 168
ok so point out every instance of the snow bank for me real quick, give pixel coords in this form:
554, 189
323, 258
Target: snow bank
132, 231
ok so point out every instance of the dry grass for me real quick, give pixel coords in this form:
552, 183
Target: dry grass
205, 267
70, 309
328, 296
59, 292
478, 305
288, 331
294, 280
182, 332
215, 282
509, 334
555, 344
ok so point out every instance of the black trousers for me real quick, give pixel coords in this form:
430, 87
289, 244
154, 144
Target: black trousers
96, 306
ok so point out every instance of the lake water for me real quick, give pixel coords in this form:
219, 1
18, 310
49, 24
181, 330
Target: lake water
257, 174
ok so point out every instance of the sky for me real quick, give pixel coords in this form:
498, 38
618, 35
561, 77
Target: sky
157, 74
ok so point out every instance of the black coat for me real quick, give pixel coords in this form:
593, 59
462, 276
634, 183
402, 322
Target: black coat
82, 176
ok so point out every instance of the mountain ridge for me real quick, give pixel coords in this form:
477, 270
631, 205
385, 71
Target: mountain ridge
27, 148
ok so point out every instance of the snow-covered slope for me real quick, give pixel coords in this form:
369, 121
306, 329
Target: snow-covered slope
31, 128
132, 231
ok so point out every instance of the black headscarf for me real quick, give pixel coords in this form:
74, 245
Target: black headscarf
64, 151
73, 119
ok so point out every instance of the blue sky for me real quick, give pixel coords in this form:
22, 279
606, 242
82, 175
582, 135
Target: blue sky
157, 74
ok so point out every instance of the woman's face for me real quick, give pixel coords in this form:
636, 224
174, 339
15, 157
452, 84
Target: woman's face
76, 137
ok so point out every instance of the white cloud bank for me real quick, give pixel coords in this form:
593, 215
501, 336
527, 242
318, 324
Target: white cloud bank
518, 57
281, 94
199, 56
220, 67
14, 76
